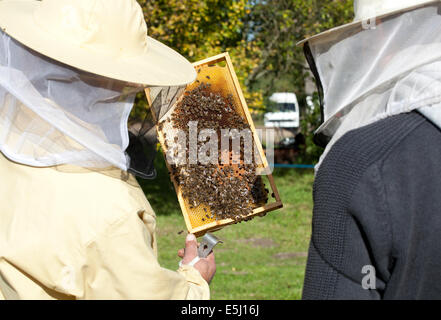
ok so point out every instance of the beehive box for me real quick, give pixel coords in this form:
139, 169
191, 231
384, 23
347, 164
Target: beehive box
218, 71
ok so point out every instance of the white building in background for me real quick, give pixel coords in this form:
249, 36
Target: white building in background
284, 111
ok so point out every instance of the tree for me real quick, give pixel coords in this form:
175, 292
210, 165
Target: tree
276, 26
198, 29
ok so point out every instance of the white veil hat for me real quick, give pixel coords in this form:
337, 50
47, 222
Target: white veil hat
104, 37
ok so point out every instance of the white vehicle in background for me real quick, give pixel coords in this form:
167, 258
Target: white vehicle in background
284, 111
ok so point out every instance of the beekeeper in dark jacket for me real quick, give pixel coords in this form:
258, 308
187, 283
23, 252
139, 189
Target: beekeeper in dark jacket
377, 206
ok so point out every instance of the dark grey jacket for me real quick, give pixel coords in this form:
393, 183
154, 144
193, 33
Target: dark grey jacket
377, 202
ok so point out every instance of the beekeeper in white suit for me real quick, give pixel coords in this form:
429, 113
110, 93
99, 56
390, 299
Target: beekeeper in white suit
376, 220
74, 224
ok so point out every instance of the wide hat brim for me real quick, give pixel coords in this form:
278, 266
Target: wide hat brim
158, 66
358, 23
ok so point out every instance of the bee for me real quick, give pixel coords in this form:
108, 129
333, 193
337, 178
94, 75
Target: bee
226, 192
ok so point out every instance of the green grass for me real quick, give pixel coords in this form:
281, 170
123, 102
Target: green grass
261, 259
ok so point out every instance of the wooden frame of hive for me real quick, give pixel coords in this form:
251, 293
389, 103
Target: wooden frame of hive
230, 84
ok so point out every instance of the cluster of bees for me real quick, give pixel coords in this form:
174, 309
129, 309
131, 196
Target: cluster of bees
228, 190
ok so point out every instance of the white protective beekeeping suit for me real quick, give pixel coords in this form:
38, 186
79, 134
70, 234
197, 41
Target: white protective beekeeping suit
379, 68
74, 223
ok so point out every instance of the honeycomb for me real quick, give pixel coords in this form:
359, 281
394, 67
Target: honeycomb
220, 80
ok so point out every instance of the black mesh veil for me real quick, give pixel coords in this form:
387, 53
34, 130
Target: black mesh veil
143, 143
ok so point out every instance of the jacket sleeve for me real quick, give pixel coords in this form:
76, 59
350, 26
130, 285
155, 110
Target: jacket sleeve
350, 245
122, 265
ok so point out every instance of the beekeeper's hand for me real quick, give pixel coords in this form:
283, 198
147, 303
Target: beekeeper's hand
206, 266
